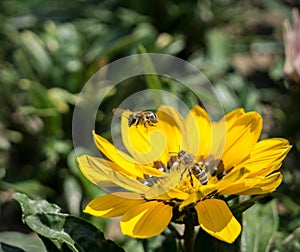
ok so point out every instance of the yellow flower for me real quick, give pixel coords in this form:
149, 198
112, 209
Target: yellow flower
150, 194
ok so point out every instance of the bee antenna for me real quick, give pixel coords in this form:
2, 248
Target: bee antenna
174, 152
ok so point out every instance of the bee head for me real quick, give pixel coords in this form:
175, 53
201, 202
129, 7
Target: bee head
181, 153
152, 117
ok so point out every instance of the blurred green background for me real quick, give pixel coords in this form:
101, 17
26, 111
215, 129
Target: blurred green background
49, 49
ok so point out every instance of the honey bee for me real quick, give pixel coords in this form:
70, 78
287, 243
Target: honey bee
147, 118
199, 173
189, 164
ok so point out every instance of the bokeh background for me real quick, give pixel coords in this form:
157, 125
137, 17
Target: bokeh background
49, 49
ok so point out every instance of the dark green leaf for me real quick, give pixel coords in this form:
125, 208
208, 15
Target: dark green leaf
87, 236
169, 244
46, 220
205, 242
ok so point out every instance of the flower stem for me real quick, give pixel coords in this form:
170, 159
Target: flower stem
188, 237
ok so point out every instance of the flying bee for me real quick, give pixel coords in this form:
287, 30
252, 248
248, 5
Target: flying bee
189, 164
147, 118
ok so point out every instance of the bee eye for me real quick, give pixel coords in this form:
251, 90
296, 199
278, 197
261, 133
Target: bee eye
181, 153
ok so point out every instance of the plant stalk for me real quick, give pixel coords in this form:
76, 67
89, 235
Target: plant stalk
188, 237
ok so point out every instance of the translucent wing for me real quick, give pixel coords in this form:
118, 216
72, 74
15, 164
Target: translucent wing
163, 184
121, 112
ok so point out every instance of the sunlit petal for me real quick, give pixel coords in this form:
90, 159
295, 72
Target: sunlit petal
265, 185
111, 205
216, 219
232, 116
266, 155
241, 139
257, 185
174, 128
98, 172
116, 156
146, 220
199, 132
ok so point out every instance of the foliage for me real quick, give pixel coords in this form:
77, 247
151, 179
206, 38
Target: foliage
50, 49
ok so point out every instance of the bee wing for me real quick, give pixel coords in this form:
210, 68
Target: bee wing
179, 171
121, 112
164, 184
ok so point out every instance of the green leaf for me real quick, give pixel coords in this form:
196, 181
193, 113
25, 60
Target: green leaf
73, 194
46, 220
226, 96
16, 241
36, 52
33, 207
152, 80
259, 227
218, 44
88, 237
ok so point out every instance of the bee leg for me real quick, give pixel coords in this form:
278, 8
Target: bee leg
151, 124
137, 122
191, 178
181, 176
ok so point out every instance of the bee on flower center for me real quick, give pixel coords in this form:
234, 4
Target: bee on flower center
147, 118
202, 170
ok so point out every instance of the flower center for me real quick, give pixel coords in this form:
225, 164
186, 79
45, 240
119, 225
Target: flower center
194, 171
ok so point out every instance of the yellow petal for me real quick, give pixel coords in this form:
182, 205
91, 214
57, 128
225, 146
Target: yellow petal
97, 171
267, 155
199, 130
219, 132
116, 156
215, 218
174, 194
241, 139
146, 220
257, 185
236, 174
173, 127
111, 205
266, 185
232, 116
124, 163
